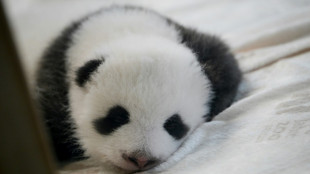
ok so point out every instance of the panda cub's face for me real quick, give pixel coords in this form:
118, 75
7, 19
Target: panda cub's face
134, 110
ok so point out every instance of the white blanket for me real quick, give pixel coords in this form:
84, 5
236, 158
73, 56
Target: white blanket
267, 129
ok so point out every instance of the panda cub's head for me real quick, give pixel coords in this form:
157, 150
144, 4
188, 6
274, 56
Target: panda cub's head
133, 108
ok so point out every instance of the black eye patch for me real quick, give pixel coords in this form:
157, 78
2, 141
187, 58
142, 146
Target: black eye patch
83, 73
175, 127
116, 117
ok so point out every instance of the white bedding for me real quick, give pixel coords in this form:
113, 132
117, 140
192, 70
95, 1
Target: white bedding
267, 129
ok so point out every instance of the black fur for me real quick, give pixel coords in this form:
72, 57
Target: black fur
218, 64
175, 127
116, 117
52, 90
83, 73
52, 95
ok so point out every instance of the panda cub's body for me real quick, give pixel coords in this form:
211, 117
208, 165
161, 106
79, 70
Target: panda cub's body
126, 86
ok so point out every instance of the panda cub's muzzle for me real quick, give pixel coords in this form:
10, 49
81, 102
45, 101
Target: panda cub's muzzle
140, 160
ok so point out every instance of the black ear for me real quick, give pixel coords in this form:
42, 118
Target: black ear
84, 73
218, 64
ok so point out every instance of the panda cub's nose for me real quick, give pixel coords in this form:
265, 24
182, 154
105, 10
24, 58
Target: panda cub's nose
142, 162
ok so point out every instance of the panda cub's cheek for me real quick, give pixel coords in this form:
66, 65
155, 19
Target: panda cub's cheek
116, 117
176, 127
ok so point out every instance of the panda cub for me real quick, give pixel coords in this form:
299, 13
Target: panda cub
126, 86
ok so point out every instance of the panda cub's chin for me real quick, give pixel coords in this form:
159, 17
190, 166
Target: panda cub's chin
126, 86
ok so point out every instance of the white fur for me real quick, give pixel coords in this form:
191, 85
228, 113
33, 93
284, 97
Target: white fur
147, 71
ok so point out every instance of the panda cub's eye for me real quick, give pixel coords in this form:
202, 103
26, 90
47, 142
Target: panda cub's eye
116, 117
175, 127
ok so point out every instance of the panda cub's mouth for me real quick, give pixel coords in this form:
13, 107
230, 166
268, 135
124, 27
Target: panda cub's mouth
129, 171
131, 166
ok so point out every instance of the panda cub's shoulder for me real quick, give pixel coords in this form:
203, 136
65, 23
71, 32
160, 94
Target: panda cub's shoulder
118, 38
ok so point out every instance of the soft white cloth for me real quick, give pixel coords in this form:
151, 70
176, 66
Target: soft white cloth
267, 129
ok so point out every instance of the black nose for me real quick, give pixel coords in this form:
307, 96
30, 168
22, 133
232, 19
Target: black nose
142, 162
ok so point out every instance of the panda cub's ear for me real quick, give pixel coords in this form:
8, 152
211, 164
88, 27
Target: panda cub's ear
84, 73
